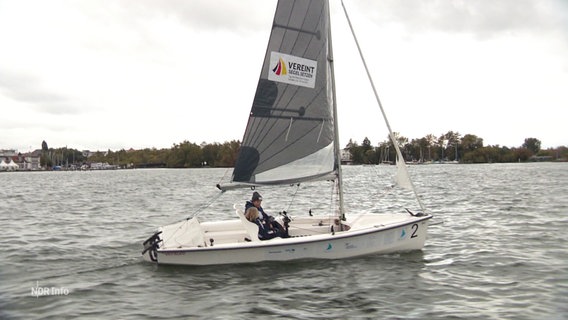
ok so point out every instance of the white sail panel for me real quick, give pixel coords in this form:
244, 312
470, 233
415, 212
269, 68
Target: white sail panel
317, 164
402, 178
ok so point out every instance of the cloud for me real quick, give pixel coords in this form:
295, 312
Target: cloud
219, 15
484, 19
30, 91
235, 16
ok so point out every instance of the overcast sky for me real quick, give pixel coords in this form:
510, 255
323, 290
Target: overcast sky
98, 74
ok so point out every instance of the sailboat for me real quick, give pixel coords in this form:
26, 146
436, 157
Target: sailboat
291, 137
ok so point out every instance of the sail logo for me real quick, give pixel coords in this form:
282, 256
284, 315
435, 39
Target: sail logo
292, 70
280, 69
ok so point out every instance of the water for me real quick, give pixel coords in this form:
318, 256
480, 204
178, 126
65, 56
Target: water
71, 245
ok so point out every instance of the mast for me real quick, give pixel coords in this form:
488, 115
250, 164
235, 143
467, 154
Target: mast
336, 147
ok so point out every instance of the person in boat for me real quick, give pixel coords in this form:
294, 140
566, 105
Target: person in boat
268, 222
264, 233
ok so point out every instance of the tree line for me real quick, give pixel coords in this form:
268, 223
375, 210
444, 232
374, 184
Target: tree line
450, 146
183, 155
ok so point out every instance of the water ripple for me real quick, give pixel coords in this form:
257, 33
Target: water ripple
500, 252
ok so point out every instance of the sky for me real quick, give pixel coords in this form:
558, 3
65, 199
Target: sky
102, 74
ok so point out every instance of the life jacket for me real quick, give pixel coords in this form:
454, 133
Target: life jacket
264, 233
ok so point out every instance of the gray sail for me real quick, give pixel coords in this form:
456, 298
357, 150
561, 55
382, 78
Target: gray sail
290, 132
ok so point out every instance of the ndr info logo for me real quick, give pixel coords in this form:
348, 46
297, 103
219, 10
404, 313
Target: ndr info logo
48, 291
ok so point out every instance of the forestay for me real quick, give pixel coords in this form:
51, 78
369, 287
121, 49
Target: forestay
290, 132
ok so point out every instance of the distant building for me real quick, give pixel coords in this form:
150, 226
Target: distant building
87, 153
346, 157
7, 153
540, 158
10, 160
102, 166
9, 165
30, 160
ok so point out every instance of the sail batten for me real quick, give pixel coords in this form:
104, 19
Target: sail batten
290, 132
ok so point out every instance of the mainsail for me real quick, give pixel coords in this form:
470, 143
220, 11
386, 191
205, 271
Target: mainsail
290, 132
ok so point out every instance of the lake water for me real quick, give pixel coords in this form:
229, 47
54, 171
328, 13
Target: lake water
71, 244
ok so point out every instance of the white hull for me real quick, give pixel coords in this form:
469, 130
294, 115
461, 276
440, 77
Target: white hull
311, 239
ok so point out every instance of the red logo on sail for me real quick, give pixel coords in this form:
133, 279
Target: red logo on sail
280, 68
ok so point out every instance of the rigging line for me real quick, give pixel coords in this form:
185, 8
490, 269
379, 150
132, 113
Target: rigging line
224, 176
293, 197
195, 214
398, 152
335, 212
206, 205
331, 198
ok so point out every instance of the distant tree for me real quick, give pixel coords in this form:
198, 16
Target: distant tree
469, 149
366, 144
431, 140
520, 154
442, 145
533, 144
453, 143
367, 152
422, 144
350, 144
356, 152
211, 152
385, 151
562, 153
45, 161
471, 142
228, 154
400, 140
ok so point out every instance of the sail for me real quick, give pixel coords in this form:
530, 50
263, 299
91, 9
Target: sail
402, 178
290, 132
